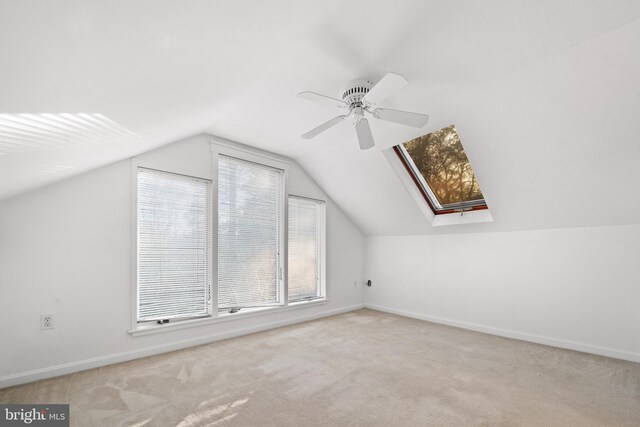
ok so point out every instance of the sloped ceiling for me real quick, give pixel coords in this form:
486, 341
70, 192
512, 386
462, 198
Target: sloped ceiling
545, 95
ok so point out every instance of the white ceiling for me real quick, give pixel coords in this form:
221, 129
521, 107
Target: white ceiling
545, 95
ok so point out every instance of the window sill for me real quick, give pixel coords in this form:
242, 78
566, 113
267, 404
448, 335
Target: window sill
470, 217
221, 317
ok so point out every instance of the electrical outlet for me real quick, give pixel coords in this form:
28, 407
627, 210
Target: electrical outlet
46, 321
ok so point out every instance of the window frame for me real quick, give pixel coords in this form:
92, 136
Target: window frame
322, 248
137, 164
282, 235
230, 149
208, 287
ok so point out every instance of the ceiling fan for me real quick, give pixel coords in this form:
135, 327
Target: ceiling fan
360, 97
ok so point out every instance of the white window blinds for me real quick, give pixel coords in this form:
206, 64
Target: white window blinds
173, 241
305, 248
250, 203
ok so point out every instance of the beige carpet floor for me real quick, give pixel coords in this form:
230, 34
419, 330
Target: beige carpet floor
363, 368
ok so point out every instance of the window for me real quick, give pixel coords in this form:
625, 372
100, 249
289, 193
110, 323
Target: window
441, 170
250, 219
305, 249
173, 246
206, 251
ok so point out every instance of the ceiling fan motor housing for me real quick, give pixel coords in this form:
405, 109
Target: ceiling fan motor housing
354, 92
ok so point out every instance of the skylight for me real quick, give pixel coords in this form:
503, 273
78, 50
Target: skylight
441, 170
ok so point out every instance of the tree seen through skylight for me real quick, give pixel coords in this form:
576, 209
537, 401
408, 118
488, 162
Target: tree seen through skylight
442, 162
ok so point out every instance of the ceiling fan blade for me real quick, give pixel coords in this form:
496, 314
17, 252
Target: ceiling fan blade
318, 130
416, 120
387, 85
322, 99
365, 138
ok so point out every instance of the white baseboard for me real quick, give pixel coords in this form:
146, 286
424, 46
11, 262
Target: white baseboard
95, 362
553, 342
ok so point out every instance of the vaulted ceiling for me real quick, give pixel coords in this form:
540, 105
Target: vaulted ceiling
545, 95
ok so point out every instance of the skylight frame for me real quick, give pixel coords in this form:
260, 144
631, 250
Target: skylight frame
426, 192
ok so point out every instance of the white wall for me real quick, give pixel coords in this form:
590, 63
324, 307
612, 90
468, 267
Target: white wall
575, 288
66, 250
